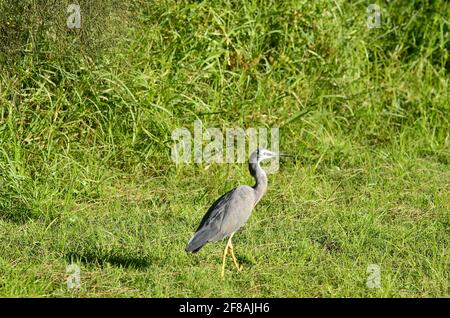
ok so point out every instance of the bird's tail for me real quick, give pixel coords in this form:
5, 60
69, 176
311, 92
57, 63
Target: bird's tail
197, 241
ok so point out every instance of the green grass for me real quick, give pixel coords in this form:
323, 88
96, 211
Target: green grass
86, 175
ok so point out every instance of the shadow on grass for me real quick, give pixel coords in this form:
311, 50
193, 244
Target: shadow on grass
113, 258
330, 245
16, 211
243, 260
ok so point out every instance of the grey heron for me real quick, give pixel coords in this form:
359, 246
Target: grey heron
232, 210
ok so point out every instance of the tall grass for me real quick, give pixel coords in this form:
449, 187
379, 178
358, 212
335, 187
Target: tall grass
86, 117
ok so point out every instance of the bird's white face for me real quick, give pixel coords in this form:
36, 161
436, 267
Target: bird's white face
263, 154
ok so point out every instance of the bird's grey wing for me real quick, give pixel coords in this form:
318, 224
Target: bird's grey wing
224, 217
216, 211
210, 225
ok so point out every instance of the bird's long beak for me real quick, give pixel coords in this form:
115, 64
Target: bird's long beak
284, 155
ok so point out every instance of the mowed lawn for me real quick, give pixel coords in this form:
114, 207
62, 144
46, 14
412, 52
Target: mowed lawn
86, 123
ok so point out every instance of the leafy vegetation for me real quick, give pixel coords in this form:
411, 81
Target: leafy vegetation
86, 117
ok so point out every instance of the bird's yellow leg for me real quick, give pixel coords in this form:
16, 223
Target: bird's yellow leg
239, 267
225, 252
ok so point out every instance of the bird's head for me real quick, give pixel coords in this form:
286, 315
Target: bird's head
261, 154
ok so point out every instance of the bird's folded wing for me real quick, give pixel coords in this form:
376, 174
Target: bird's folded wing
216, 211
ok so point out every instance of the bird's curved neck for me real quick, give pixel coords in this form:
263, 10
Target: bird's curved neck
261, 180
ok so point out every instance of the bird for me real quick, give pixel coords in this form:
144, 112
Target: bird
232, 210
